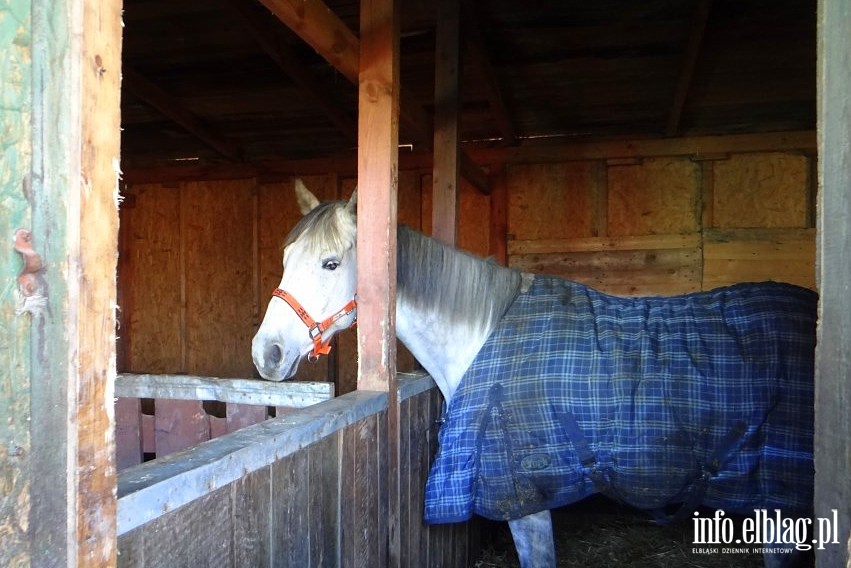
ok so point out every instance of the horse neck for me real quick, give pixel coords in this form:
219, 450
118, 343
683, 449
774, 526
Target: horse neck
448, 302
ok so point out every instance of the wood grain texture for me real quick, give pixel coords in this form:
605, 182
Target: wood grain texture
761, 190
550, 201
628, 273
218, 226
658, 196
307, 490
378, 134
151, 269
833, 354
94, 356
16, 68
253, 506
753, 255
447, 123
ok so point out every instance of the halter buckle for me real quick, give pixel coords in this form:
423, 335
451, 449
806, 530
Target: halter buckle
314, 329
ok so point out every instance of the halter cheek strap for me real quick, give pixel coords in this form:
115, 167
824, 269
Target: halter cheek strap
315, 330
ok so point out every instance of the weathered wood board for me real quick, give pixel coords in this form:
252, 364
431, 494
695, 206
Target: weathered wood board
833, 345
628, 225
15, 341
181, 418
295, 491
637, 226
784, 255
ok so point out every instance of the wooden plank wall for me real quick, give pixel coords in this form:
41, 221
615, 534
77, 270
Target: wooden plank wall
183, 418
308, 506
198, 261
666, 225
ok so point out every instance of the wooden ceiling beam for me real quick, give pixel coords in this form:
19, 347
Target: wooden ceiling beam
320, 28
476, 50
170, 107
266, 35
695, 41
446, 168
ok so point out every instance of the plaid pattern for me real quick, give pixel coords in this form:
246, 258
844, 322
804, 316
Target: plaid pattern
578, 392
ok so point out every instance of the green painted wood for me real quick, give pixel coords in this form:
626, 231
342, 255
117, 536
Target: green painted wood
15, 341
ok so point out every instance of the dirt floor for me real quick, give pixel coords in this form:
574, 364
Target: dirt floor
599, 533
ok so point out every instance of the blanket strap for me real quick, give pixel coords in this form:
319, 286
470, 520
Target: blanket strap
729, 444
599, 476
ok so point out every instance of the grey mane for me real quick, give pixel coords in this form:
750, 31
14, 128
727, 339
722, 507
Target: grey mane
431, 276
321, 227
458, 285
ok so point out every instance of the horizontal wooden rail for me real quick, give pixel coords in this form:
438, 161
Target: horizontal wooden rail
232, 391
150, 490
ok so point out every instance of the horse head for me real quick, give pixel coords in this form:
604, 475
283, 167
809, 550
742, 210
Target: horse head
315, 298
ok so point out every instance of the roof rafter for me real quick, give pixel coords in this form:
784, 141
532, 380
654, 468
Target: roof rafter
320, 28
284, 57
476, 50
695, 41
173, 109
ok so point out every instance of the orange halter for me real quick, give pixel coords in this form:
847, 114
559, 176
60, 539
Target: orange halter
315, 330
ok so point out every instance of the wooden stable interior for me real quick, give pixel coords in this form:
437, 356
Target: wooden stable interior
659, 148
667, 219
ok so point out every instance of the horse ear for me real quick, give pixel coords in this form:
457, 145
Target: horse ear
352, 205
307, 202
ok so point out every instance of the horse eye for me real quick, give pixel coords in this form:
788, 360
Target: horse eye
330, 264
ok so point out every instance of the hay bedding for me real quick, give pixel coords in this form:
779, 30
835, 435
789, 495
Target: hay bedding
599, 533
577, 392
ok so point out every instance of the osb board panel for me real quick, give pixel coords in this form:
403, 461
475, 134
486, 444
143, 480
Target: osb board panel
785, 255
551, 201
152, 335
219, 273
629, 272
654, 196
761, 190
473, 216
410, 199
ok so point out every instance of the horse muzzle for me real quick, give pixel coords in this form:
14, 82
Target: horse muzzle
273, 360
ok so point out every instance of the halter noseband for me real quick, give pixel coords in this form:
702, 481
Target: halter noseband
315, 330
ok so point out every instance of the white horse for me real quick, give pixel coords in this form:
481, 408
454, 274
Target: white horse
443, 318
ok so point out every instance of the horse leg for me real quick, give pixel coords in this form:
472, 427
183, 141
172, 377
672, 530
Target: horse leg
533, 539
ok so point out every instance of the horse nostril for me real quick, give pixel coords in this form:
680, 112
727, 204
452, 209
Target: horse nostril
274, 354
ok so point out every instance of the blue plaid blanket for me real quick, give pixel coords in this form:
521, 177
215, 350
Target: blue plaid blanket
654, 401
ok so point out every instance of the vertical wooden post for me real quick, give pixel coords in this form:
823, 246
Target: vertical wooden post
446, 123
17, 329
833, 351
378, 177
76, 128
498, 242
